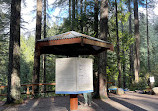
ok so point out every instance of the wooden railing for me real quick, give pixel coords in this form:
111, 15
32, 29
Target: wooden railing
28, 92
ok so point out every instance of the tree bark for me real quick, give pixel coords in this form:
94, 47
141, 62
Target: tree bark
147, 34
76, 11
85, 14
123, 60
85, 6
131, 46
118, 48
70, 14
81, 13
44, 56
70, 10
137, 42
96, 77
103, 55
36, 74
73, 14
96, 9
13, 90
123, 51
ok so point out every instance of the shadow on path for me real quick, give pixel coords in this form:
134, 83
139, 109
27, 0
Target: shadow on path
103, 105
128, 105
62, 102
154, 97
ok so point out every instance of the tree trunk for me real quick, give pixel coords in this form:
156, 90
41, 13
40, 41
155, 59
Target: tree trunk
77, 27
147, 34
70, 14
123, 60
131, 46
13, 91
73, 14
103, 55
123, 51
96, 9
96, 77
36, 73
81, 13
137, 42
118, 48
85, 6
44, 56
85, 14
70, 10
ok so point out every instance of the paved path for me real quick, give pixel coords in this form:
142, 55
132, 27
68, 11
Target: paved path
137, 102
126, 102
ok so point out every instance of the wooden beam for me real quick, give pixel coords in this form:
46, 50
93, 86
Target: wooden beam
58, 42
97, 43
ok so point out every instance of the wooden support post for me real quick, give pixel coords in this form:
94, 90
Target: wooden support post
28, 92
0, 91
73, 102
33, 90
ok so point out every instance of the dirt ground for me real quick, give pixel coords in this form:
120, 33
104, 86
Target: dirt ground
127, 102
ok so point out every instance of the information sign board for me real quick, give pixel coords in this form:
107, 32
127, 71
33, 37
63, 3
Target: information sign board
74, 75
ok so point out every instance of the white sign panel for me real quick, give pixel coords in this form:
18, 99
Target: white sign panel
152, 79
74, 75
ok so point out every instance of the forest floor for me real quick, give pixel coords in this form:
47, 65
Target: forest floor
128, 102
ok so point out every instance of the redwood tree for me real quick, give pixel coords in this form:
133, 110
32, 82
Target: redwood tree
137, 42
36, 73
13, 91
73, 14
103, 56
131, 46
44, 56
147, 35
118, 47
81, 14
95, 73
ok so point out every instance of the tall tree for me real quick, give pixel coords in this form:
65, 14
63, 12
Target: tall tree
70, 10
44, 56
123, 54
70, 14
96, 9
118, 47
36, 73
96, 79
13, 91
137, 42
85, 14
131, 46
76, 4
103, 55
147, 35
123, 48
73, 14
81, 14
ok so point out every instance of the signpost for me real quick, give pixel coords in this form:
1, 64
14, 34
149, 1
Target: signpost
152, 80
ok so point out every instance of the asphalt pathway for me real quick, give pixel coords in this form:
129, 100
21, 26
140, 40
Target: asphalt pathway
128, 102
137, 102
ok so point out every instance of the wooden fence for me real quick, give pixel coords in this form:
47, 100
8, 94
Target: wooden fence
28, 92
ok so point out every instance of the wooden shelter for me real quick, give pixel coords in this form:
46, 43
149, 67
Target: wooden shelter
71, 44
